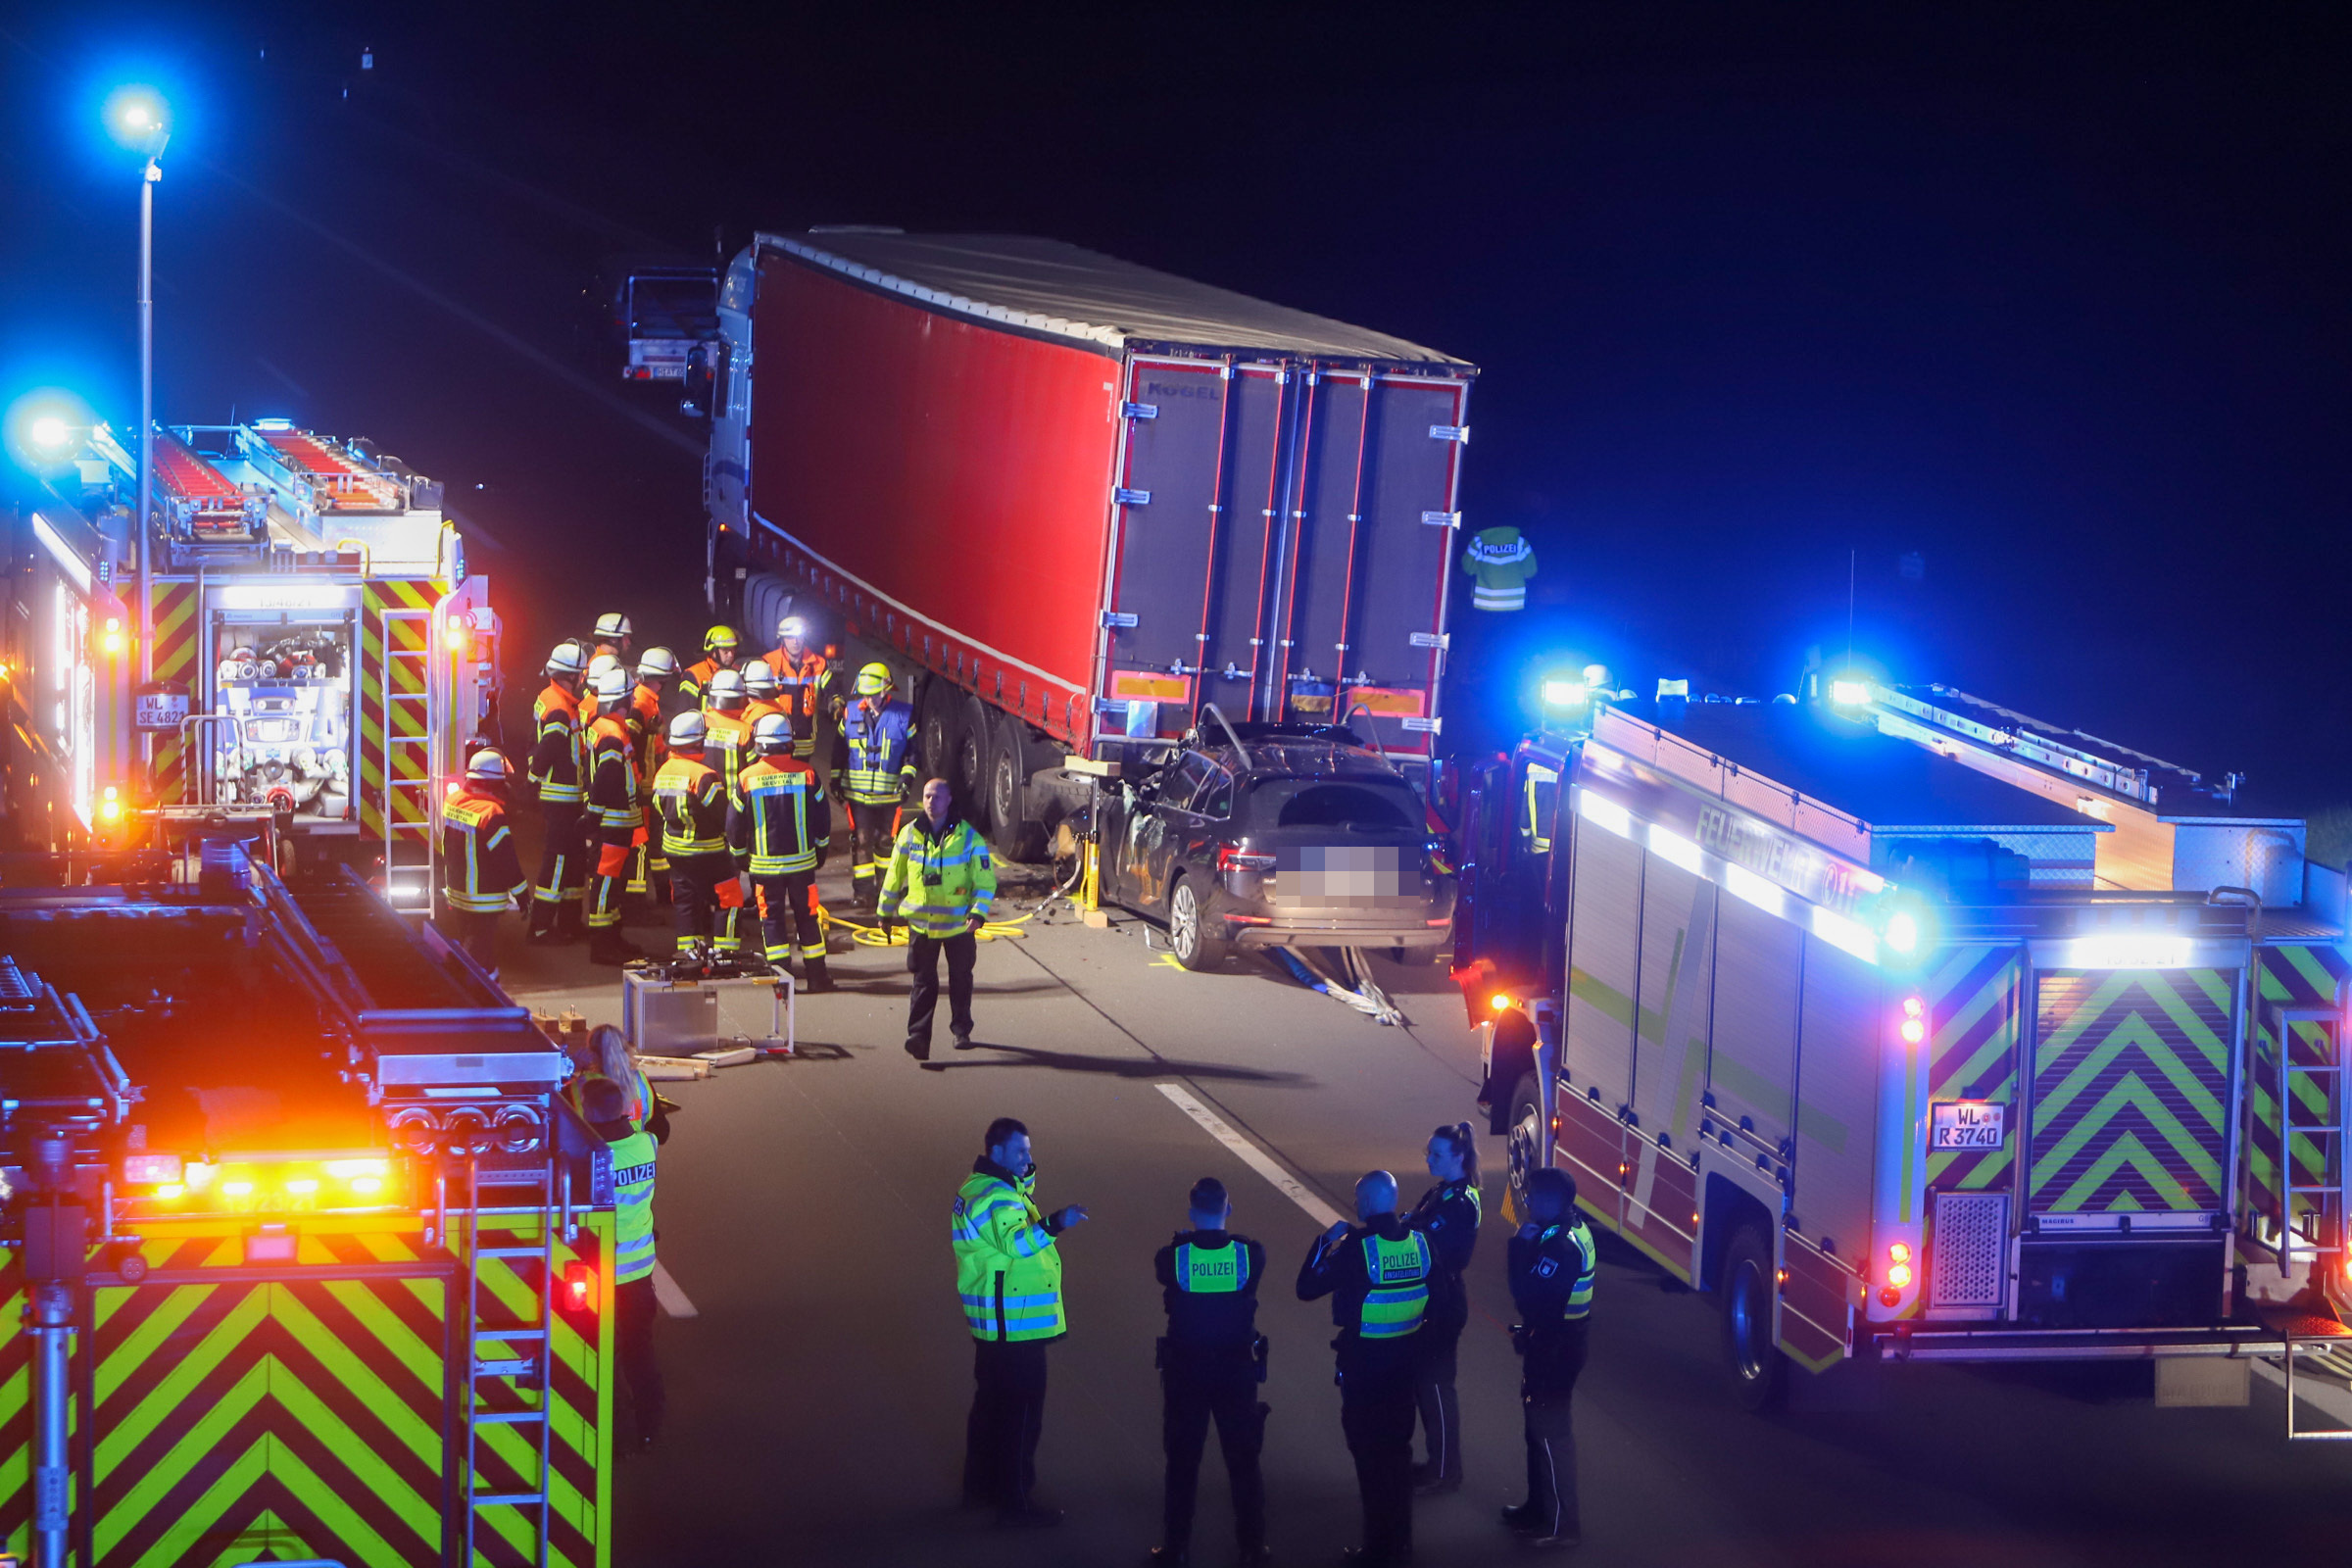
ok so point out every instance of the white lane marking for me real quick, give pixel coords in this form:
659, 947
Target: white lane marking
672, 1301
1249, 1154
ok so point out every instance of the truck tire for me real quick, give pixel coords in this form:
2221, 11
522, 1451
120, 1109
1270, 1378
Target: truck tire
1190, 938
939, 727
1017, 836
1759, 1372
967, 768
1523, 1127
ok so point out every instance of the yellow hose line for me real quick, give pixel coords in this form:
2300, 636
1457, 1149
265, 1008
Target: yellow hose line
874, 935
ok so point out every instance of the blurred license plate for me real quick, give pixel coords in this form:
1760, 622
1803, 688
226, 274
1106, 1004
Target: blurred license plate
1365, 876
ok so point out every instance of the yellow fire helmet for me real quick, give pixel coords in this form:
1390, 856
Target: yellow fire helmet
873, 680
719, 637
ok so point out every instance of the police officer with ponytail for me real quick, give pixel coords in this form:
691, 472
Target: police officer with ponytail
1448, 1214
1210, 1367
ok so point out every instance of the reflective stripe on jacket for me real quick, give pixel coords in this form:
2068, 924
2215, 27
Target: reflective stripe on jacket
874, 752
612, 774
1008, 1270
779, 817
730, 735
937, 885
692, 804
480, 869
1399, 1272
559, 769
633, 1206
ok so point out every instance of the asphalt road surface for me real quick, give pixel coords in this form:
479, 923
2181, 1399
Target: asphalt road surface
817, 1394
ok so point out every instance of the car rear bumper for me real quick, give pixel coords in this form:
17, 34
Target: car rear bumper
1338, 930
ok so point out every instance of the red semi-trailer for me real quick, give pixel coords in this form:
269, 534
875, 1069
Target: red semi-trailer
1082, 498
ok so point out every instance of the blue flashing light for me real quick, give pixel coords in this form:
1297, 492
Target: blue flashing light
1902, 931
1850, 692
1566, 694
274, 424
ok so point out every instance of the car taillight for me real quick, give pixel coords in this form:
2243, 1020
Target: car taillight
1231, 858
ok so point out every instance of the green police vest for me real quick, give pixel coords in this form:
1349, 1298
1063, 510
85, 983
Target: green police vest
1399, 1272
633, 1206
1212, 1270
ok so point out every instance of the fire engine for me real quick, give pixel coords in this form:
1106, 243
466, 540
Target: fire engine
312, 643
1917, 1029
307, 1256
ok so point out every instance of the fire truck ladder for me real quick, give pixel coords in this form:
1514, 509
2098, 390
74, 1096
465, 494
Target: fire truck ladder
495, 1369
2314, 1106
405, 682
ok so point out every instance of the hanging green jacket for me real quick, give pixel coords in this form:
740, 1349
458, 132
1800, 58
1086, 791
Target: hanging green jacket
1499, 561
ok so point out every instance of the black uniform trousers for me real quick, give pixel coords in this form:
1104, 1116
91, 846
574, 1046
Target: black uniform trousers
564, 856
788, 904
922, 996
633, 1310
703, 885
1196, 1390
873, 829
1375, 1414
1441, 1333
1008, 1411
1547, 1381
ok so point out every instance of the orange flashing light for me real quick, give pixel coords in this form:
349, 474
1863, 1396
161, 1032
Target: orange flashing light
111, 639
1914, 1031
1898, 1275
1500, 1002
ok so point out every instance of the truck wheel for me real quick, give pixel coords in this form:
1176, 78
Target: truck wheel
968, 771
1759, 1372
1527, 1135
939, 727
1189, 937
1018, 837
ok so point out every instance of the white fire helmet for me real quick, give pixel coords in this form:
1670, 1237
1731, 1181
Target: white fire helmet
774, 733
568, 658
686, 732
657, 664
611, 687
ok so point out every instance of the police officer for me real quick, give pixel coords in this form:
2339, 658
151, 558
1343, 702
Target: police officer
779, 827
559, 775
1551, 1264
1376, 1273
1009, 1273
1210, 1367
720, 647
480, 870
1448, 1214
633, 1305
875, 761
690, 799
617, 817
943, 882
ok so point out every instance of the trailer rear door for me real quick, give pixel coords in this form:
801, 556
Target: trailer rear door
1371, 517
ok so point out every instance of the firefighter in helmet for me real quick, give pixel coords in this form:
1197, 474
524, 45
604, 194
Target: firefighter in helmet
720, 649
653, 704
614, 808
481, 870
779, 827
690, 799
559, 775
805, 678
614, 635
874, 762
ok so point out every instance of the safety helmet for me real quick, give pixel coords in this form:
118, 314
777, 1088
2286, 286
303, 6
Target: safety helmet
873, 680
719, 637
657, 664
792, 626
566, 659
611, 685
686, 732
759, 678
599, 667
489, 764
613, 625
725, 689
774, 733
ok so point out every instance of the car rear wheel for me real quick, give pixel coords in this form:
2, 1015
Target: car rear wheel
1759, 1372
1190, 938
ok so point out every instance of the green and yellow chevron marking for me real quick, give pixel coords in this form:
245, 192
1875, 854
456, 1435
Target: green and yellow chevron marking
304, 1417
1972, 1010
2131, 1077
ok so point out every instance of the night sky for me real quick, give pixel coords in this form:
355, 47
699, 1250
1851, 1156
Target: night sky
2053, 298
